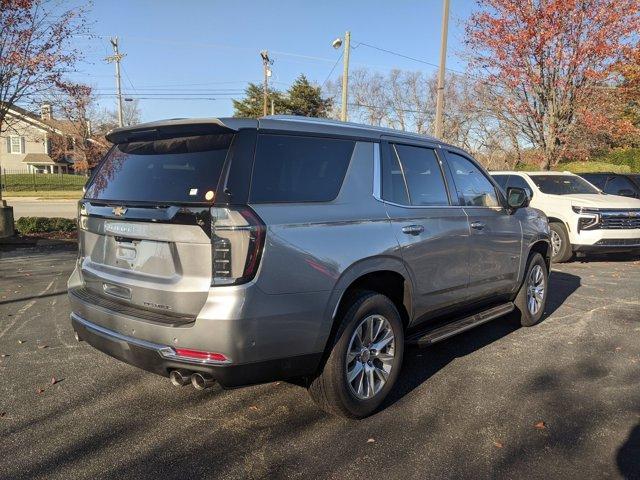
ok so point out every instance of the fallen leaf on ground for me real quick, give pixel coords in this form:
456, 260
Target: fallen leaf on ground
540, 425
371, 440
498, 444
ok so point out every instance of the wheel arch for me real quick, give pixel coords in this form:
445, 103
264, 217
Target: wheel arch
385, 275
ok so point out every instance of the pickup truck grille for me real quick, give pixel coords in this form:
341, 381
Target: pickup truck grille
620, 220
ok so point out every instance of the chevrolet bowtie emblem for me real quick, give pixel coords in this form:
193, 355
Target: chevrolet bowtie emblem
119, 211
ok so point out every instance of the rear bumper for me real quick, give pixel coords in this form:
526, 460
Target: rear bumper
157, 358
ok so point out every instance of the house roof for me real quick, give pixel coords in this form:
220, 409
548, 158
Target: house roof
41, 159
60, 127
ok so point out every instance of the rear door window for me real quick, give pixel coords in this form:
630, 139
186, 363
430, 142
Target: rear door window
291, 168
174, 170
423, 178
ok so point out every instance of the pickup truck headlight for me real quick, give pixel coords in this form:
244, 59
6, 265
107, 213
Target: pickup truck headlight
589, 218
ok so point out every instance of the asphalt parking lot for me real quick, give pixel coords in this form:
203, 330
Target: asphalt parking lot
559, 400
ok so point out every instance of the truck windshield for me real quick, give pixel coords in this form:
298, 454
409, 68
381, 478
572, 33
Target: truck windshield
174, 170
563, 184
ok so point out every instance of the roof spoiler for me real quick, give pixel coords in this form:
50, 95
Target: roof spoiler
177, 127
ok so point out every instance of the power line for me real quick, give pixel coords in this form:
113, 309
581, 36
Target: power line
332, 69
398, 54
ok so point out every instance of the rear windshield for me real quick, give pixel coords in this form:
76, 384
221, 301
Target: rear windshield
178, 170
563, 184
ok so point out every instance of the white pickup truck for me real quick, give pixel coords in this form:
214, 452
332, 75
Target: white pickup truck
581, 217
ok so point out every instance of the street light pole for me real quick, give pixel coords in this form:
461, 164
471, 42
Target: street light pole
345, 76
443, 60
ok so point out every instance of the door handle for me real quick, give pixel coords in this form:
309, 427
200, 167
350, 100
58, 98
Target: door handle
413, 229
477, 225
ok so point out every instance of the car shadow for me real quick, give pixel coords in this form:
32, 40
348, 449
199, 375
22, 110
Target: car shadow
561, 286
628, 456
419, 364
608, 257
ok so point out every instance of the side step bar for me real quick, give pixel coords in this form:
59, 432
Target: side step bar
450, 329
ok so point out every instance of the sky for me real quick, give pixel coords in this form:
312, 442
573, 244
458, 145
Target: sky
205, 52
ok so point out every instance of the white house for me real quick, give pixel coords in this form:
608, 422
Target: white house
25, 144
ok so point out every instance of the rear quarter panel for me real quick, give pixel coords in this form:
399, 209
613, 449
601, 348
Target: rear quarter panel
321, 247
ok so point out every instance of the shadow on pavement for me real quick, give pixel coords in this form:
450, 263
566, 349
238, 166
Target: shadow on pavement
628, 457
420, 364
561, 286
608, 257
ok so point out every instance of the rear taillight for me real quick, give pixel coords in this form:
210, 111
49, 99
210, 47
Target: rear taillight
237, 240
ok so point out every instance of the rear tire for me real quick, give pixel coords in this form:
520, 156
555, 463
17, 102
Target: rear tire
560, 245
532, 297
357, 376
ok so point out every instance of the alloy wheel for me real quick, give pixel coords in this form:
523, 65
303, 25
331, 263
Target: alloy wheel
535, 289
370, 356
556, 243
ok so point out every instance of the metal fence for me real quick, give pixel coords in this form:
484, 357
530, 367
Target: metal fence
25, 181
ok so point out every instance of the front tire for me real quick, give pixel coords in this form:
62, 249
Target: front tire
532, 297
365, 358
560, 245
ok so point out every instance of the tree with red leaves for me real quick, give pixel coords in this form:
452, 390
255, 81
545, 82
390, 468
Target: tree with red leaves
35, 50
544, 58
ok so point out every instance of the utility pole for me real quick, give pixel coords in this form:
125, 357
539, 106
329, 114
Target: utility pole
345, 76
443, 60
116, 58
266, 64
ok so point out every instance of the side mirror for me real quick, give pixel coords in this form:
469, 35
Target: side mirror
517, 198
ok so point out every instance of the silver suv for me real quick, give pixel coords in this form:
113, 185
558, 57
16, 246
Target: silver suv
245, 251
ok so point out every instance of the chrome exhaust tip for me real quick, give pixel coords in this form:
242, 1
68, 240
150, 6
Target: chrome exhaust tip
201, 381
179, 378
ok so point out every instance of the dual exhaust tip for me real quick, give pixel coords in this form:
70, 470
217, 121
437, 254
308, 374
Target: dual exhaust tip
199, 381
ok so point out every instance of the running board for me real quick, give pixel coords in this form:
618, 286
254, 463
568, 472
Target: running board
450, 329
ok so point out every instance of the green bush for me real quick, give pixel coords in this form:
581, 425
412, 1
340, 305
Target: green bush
22, 182
629, 157
26, 225
592, 167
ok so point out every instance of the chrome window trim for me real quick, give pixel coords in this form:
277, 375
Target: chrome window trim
377, 168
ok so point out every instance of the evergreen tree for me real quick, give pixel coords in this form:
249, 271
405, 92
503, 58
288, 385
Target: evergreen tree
302, 98
306, 99
251, 105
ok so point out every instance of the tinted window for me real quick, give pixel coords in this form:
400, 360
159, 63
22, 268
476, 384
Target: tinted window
394, 188
178, 170
595, 179
563, 184
474, 188
422, 175
618, 184
299, 169
502, 180
519, 182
